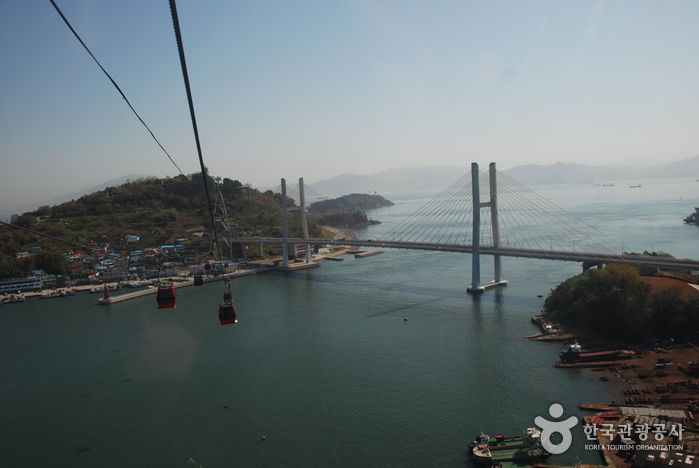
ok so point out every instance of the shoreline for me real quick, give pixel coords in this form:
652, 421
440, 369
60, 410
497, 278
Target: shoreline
657, 394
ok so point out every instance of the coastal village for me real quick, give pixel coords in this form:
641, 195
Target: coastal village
110, 269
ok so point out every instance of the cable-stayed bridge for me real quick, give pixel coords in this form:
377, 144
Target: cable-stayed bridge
483, 213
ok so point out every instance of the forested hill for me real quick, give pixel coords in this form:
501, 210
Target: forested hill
616, 303
155, 211
353, 202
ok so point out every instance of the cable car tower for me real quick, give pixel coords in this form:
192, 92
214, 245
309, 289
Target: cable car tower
222, 227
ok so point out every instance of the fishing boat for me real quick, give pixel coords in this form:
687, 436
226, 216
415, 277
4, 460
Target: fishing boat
527, 447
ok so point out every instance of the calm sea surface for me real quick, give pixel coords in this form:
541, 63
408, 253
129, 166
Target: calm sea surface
321, 362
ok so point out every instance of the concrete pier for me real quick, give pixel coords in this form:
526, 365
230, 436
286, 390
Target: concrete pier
177, 284
367, 253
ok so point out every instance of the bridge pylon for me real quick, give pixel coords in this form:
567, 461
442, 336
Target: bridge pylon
285, 225
476, 287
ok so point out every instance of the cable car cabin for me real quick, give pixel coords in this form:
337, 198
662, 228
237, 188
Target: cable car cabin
166, 296
198, 280
226, 313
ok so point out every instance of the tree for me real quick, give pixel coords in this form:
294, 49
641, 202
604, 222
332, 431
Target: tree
53, 263
44, 210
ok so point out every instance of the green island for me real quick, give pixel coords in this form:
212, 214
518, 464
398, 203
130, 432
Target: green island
147, 213
618, 303
352, 202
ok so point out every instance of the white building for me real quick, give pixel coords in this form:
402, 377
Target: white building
110, 275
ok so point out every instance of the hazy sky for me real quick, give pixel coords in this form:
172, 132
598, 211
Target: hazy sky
316, 89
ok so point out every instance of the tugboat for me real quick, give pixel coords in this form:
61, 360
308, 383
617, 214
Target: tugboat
518, 448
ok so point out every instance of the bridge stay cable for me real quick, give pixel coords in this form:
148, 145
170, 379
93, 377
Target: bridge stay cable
561, 226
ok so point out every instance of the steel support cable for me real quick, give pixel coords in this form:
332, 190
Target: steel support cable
414, 231
542, 218
455, 220
113, 82
558, 221
510, 227
450, 207
543, 230
523, 225
410, 226
575, 223
461, 221
527, 223
464, 206
407, 227
535, 222
185, 74
557, 216
460, 206
458, 221
510, 231
459, 201
441, 216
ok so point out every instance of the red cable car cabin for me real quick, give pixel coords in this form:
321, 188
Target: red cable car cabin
226, 313
166, 296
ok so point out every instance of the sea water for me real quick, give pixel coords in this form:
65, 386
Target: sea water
322, 364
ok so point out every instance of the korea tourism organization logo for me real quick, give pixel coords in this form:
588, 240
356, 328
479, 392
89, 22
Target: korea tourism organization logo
634, 436
621, 436
551, 427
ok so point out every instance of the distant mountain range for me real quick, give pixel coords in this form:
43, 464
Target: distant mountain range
440, 177
560, 173
437, 177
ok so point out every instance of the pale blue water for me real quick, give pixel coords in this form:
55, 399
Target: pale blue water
321, 362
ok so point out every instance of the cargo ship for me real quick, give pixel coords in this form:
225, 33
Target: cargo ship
486, 451
574, 354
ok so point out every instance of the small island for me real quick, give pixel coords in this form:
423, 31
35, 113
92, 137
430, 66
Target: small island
693, 218
352, 202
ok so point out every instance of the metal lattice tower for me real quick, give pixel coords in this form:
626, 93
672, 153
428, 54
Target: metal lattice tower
222, 227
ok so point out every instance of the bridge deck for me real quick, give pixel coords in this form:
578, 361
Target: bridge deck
581, 257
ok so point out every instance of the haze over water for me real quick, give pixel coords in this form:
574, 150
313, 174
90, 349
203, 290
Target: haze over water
321, 362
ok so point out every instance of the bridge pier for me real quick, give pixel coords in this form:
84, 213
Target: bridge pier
587, 265
476, 287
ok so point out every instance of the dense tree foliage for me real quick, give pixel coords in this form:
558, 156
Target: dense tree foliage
348, 220
616, 303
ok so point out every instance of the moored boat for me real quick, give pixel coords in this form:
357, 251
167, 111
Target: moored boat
574, 353
518, 448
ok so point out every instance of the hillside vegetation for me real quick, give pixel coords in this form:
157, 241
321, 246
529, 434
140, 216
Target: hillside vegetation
616, 303
352, 202
159, 211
